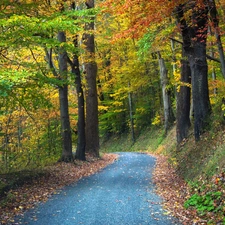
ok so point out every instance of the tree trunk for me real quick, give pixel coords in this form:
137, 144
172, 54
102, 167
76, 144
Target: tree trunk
215, 21
168, 112
183, 102
81, 143
212, 54
92, 130
67, 155
199, 69
194, 44
174, 64
131, 115
200, 92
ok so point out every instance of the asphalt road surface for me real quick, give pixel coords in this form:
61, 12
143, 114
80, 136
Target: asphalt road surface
120, 194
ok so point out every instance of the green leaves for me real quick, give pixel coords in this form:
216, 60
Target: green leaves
145, 43
25, 30
204, 203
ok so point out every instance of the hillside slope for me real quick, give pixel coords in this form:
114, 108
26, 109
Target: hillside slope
197, 171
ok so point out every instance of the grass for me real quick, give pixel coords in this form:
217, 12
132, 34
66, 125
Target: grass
192, 160
147, 141
204, 158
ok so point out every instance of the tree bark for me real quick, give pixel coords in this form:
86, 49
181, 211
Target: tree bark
174, 64
81, 143
200, 91
67, 155
92, 129
168, 112
131, 115
183, 101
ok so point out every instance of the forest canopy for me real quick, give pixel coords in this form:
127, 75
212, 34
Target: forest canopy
74, 72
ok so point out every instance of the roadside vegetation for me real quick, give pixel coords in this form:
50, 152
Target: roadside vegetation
191, 178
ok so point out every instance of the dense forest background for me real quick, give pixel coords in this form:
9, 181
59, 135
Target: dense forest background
73, 73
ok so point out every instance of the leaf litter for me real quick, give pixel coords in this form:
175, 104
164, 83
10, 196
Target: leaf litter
55, 177
173, 190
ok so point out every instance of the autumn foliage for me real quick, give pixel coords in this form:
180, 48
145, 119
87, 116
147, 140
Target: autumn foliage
132, 37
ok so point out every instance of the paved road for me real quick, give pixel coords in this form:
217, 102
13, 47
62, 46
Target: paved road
121, 194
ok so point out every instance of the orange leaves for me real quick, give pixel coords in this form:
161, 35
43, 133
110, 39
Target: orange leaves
173, 189
140, 15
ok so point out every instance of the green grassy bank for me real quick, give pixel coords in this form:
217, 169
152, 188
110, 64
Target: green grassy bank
192, 160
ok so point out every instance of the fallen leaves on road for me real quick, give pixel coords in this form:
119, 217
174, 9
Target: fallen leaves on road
174, 191
56, 177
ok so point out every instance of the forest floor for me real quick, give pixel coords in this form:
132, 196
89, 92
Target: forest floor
174, 191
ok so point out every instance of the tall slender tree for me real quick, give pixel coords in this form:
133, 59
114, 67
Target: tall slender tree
75, 70
130, 101
166, 95
63, 100
81, 142
92, 129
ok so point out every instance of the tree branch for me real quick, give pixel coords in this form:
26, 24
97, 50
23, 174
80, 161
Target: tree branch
208, 56
50, 63
212, 58
175, 40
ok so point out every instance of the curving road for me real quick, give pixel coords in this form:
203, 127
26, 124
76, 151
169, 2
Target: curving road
120, 194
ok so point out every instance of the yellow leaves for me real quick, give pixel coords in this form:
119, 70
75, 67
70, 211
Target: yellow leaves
20, 207
117, 103
182, 84
120, 94
176, 80
166, 213
157, 120
3, 119
103, 108
140, 110
176, 75
118, 110
223, 107
160, 149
